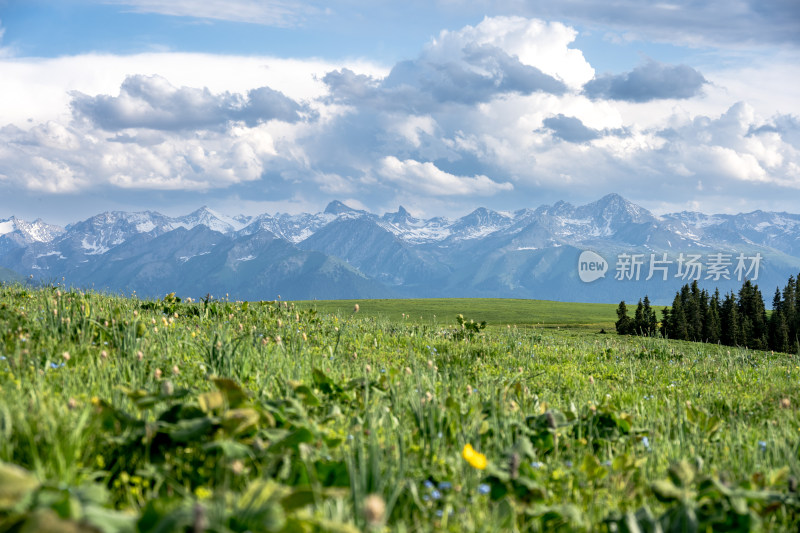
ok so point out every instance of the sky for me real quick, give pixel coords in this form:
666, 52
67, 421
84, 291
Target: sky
441, 106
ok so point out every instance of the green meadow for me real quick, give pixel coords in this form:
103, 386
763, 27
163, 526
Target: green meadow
127, 415
495, 311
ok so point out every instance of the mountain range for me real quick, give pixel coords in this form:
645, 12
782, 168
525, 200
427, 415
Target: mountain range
348, 253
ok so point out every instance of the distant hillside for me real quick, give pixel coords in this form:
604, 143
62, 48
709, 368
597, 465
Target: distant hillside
7, 275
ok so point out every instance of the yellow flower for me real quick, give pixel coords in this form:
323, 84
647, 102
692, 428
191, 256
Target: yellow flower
475, 459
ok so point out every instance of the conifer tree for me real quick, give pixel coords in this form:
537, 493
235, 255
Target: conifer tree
650, 318
623, 324
639, 323
753, 317
711, 323
678, 328
778, 329
791, 310
729, 321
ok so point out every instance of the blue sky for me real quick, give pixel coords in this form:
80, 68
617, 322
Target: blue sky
441, 106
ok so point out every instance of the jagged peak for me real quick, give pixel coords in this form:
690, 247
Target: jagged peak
337, 208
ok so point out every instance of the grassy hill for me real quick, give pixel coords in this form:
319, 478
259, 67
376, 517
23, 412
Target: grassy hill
495, 311
8, 276
134, 416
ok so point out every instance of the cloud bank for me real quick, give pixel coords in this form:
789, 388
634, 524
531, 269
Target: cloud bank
152, 102
505, 113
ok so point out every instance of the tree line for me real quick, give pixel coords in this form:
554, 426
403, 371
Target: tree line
734, 320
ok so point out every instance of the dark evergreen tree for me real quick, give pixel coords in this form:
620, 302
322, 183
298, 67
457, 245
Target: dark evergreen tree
753, 317
729, 321
778, 329
665, 322
791, 310
623, 324
650, 317
678, 328
639, 323
689, 311
711, 323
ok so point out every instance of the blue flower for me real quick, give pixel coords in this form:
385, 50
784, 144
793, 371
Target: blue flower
483, 488
56, 365
445, 485
568, 463
428, 484
436, 494
646, 442
762, 445
537, 464
439, 513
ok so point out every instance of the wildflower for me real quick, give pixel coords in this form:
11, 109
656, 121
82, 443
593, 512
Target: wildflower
762, 445
139, 355
157, 373
408, 371
475, 459
355, 308
445, 485
591, 380
537, 465
646, 442
104, 354
484, 488
72, 403
202, 493
176, 370
368, 369
374, 509
428, 484
237, 466
785, 403
65, 355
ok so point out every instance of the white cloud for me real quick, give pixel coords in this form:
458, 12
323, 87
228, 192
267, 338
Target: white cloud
428, 179
544, 45
379, 144
39, 89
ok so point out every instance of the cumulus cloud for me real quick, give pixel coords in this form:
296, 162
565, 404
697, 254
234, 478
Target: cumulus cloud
266, 12
570, 129
57, 158
712, 22
428, 179
153, 102
651, 81
501, 56
492, 114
